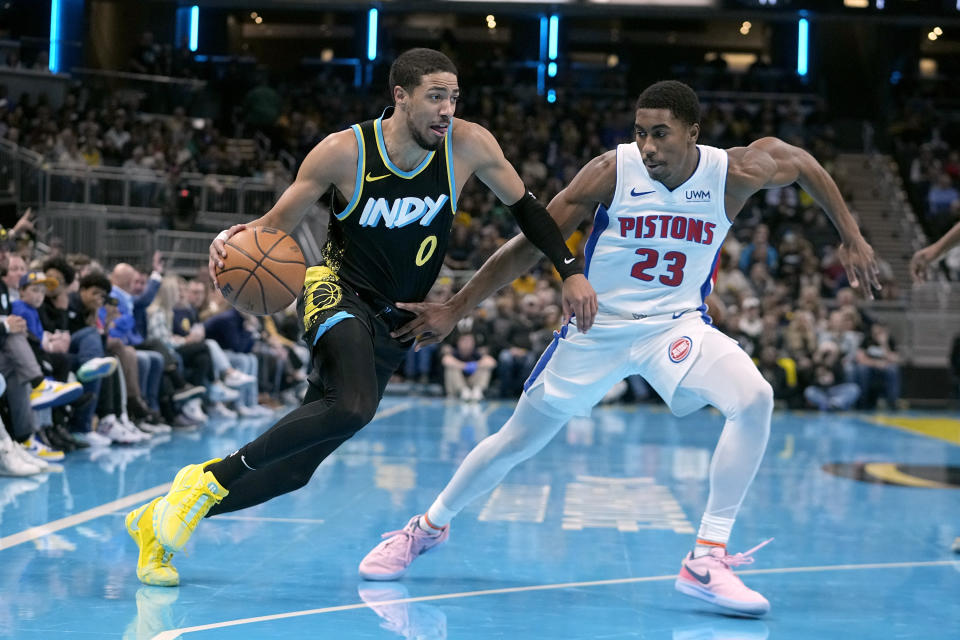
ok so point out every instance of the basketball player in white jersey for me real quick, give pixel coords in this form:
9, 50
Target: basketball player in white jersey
661, 208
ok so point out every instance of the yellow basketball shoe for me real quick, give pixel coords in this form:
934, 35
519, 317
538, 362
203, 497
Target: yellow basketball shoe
177, 514
153, 563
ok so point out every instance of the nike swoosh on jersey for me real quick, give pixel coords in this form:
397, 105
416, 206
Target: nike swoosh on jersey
634, 193
373, 178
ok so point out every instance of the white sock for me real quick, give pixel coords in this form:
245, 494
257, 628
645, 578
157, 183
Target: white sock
714, 532
436, 518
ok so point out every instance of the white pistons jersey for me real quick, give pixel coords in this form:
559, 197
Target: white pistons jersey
654, 251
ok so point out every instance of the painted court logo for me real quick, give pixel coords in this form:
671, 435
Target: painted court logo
680, 349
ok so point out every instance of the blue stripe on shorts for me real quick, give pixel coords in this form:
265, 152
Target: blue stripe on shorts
329, 322
545, 358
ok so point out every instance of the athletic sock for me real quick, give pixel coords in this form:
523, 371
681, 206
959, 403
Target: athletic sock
436, 518
714, 532
229, 470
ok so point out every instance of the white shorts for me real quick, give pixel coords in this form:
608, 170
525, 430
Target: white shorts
576, 370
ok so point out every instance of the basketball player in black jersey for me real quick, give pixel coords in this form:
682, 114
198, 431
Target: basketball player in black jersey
395, 182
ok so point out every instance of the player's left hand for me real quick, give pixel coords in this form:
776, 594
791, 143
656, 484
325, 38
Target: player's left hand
434, 322
861, 266
920, 262
580, 300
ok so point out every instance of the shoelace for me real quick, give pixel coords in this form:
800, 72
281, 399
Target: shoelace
185, 506
406, 536
738, 559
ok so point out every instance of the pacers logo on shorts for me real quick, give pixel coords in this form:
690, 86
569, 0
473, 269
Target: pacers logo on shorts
319, 296
679, 349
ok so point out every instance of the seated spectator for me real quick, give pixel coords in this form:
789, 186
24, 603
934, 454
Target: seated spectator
749, 326
878, 368
759, 250
197, 363
236, 333
86, 345
943, 205
732, 284
466, 369
827, 391
777, 371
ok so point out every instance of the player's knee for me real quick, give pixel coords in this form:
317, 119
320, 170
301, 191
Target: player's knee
296, 479
759, 400
356, 411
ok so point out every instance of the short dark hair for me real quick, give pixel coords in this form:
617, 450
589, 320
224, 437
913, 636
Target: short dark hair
61, 265
96, 279
680, 99
410, 67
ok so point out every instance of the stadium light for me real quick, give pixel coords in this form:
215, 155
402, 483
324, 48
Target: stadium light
54, 36
543, 36
552, 46
552, 69
803, 36
194, 26
372, 33
551, 96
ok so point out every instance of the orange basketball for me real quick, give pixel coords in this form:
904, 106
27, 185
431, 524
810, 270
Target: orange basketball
263, 271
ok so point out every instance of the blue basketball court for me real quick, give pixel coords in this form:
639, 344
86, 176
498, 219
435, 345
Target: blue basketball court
583, 541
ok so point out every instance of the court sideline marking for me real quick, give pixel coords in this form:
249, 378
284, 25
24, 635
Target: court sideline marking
176, 633
90, 514
122, 503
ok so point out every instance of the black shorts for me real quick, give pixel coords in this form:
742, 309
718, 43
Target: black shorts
327, 300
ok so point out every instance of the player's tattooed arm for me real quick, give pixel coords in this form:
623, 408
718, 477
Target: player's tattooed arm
332, 161
769, 163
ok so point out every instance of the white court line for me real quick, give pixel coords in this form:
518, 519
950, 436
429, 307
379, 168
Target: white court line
63, 523
106, 509
176, 633
253, 519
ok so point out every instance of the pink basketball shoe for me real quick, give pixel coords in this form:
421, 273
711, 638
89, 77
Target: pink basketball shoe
389, 559
711, 579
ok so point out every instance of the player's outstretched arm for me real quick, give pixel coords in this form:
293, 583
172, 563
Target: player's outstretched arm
770, 162
594, 184
332, 161
492, 168
925, 257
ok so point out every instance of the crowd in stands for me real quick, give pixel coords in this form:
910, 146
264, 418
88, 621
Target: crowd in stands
93, 355
927, 145
166, 353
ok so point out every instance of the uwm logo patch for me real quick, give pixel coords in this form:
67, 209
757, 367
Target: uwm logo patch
679, 349
697, 195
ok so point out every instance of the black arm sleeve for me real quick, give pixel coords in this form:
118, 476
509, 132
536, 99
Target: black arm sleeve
535, 223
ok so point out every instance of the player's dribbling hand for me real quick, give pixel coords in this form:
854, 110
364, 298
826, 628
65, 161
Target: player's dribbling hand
861, 266
920, 262
218, 251
434, 322
580, 300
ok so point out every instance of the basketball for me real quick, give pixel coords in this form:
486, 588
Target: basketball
263, 271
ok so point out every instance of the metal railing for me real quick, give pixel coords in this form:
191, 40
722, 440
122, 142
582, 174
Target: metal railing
21, 176
137, 195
